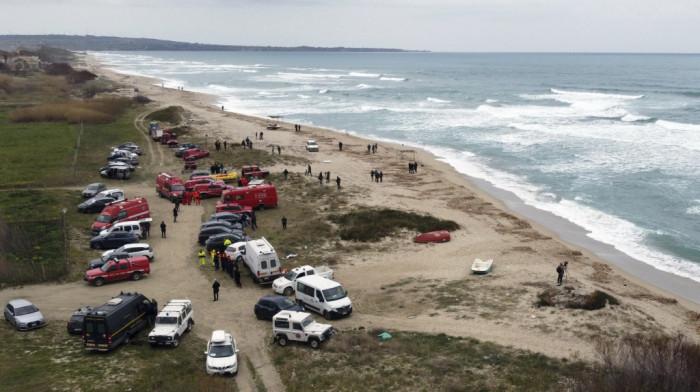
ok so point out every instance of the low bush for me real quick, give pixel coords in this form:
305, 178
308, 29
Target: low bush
371, 225
95, 111
644, 363
171, 114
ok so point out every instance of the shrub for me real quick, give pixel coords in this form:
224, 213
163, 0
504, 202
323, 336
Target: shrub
97, 111
171, 114
597, 300
371, 225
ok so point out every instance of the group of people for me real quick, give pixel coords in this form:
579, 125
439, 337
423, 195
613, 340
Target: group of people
297, 127
377, 175
279, 150
217, 168
370, 147
221, 261
258, 135
189, 197
413, 167
247, 143
217, 144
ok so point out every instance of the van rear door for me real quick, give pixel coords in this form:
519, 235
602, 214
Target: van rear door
95, 333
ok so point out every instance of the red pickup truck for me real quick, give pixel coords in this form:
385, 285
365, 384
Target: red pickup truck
133, 267
195, 153
254, 171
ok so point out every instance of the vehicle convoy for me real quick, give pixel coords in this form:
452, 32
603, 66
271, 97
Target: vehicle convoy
286, 283
195, 153
135, 209
254, 171
253, 196
117, 321
222, 354
130, 268
288, 326
174, 319
259, 256
169, 186
323, 296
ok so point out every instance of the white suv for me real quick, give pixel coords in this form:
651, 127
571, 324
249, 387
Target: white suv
311, 145
289, 325
222, 354
133, 250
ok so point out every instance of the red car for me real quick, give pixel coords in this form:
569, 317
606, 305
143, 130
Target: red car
254, 171
214, 189
130, 268
189, 184
195, 153
233, 207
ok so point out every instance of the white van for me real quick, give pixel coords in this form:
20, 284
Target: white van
260, 257
323, 296
132, 227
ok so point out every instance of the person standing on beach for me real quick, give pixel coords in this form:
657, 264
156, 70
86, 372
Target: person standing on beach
369, 148
224, 143
560, 274
337, 181
162, 229
284, 223
340, 146
175, 215
279, 150
286, 173
371, 175
261, 134
320, 178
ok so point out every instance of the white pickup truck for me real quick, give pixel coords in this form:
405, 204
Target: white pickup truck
286, 283
174, 319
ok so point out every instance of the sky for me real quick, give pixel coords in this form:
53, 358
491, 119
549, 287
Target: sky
643, 26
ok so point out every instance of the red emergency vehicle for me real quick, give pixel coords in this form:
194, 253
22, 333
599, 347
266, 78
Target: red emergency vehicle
233, 207
169, 186
135, 209
254, 196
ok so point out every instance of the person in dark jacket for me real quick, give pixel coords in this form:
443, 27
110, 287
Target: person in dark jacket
560, 274
215, 287
175, 215
162, 229
237, 276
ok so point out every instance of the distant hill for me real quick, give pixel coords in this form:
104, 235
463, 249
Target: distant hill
100, 43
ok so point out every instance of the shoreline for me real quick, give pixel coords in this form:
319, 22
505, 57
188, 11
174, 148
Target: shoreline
493, 226
564, 230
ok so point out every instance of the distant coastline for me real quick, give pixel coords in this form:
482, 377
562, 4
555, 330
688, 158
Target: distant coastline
107, 43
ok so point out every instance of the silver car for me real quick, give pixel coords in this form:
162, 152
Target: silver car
23, 315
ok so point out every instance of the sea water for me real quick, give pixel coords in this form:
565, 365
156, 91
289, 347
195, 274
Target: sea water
609, 142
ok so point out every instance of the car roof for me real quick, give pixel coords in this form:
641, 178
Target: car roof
18, 303
319, 281
273, 297
219, 336
138, 245
291, 315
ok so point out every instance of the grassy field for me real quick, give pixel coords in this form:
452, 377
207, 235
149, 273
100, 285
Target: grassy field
49, 359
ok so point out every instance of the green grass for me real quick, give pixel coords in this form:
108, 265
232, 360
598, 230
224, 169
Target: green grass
51, 359
416, 362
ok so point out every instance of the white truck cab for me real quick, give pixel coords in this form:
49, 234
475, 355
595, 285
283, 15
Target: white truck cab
285, 284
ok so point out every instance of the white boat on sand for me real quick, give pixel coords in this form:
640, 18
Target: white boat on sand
482, 267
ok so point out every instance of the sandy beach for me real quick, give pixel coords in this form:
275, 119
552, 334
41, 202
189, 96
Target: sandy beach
391, 283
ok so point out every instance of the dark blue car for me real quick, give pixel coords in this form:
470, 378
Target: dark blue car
113, 240
270, 305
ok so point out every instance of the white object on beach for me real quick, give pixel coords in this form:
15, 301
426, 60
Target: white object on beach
481, 267
327, 161
291, 256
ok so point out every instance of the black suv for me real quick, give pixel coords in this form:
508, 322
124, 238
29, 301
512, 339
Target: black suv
75, 324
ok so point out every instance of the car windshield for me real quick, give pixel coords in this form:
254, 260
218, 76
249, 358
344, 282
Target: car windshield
290, 275
221, 351
104, 267
308, 320
25, 310
286, 304
334, 293
90, 202
177, 188
103, 218
92, 187
166, 320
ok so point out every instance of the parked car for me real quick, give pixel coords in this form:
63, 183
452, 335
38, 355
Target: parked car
114, 193
132, 157
133, 250
24, 315
116, 172
75, 324
121, 162
207, 232
113, 240
230, 217
183, 147
93, 189
132, 227
216, 222
172, 322
270, 305
190, 184
198, 173
221, 354
131, 268
233, 207
100, 261
285, 284
249, 171
196, 153
130, 146
95, 204
217, 241
311, 145
214, 189
301, 327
